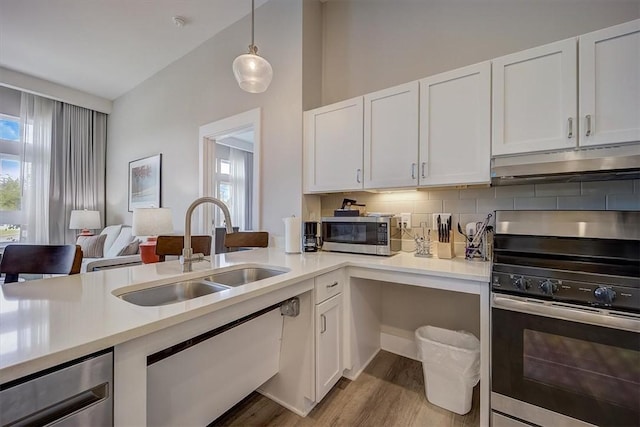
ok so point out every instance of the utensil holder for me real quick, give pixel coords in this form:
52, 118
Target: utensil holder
446, 249
482, 251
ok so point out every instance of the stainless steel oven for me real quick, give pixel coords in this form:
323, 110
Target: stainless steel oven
565, 319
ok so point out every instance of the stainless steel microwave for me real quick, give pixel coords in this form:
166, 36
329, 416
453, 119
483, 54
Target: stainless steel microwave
361, 235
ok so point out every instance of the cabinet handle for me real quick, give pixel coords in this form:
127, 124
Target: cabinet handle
332, 286
570, 126
588, 118
424, 164
413, 171
358, 175
323, 322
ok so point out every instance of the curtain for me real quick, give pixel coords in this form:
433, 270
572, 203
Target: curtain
64, 165
238, 195
36, 120
248, 189
78, 167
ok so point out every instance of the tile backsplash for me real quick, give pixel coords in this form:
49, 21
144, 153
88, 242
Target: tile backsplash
473, 204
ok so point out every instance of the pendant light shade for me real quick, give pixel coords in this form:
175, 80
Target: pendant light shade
253, 72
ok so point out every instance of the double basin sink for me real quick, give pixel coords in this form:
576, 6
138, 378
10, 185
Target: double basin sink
194, 288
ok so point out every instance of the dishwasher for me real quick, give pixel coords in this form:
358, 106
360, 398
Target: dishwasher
78, 393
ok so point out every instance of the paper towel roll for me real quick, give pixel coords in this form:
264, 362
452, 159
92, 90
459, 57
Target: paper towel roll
292, 242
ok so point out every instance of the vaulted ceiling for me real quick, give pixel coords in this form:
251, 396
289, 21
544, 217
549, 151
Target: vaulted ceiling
107, 47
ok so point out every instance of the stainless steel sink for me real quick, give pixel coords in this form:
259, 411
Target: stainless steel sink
242, 276
189, 289
172, 293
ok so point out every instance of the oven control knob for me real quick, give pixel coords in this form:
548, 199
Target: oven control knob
604, 294
548, 287
521, 283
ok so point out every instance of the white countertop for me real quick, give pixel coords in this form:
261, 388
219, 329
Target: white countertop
47, 322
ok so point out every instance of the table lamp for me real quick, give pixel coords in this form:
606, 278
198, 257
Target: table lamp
85, 220
151, 222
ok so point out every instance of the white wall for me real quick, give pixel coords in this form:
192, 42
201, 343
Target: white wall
9, 101
374, 44
164, 113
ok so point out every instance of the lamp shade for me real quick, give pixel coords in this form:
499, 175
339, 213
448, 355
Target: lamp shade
151, 221
84, 220
253, 72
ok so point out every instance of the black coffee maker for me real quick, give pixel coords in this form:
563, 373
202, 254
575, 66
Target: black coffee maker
310, 238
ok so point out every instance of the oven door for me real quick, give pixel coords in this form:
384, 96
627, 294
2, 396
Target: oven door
555, 364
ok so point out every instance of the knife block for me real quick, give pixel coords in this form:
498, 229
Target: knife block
446, 249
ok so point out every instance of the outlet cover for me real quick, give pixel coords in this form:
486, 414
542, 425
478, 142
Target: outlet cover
443, 219
405, 219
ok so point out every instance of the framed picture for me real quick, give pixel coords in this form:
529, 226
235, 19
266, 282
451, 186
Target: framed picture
144, 182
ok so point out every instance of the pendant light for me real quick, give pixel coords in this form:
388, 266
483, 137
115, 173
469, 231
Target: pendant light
252, 72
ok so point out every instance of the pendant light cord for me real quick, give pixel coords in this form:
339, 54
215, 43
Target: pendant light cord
252, 23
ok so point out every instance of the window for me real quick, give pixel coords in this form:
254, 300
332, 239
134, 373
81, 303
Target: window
222, 183
232, 183
10, 188
225, 167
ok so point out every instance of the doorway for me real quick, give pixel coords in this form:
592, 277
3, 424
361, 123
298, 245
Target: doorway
230, 170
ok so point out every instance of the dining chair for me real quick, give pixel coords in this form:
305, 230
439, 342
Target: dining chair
39, 259
246, 239
173, 245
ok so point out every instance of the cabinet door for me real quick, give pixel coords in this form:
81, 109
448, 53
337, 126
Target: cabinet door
391, 137
333, 147
535, 99
455, 127
610, 85
328, 345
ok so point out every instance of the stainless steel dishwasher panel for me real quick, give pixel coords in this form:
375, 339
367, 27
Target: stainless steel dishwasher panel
76, 394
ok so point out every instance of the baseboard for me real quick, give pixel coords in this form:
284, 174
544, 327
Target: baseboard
399, 345
285, 404
347, 373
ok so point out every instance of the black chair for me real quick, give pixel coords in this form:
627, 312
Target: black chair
173, 245
39, 259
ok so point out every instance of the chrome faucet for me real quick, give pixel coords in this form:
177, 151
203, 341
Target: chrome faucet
187, 251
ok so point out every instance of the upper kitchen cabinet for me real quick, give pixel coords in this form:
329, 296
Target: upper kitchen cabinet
455, 127
391, 137
538, 104
610, 85
535, 100
333, 147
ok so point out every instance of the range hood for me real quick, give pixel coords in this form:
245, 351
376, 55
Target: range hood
585, 164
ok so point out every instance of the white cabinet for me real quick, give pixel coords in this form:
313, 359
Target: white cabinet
610, 85
539, 104
391, 137
535, 99
328, 331
333, 147
328, 345
455, 127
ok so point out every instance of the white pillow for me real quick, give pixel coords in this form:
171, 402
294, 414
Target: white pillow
112, 233
124, 238
92, 246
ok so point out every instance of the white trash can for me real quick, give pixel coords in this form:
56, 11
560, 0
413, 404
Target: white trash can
451, 366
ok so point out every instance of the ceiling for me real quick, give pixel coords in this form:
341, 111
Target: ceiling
107, 47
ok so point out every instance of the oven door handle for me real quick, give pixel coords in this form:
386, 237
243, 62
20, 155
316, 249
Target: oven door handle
593, 316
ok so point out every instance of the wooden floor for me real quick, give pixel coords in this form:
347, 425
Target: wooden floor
390, 392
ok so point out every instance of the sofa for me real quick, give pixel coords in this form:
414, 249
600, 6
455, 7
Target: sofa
114, 247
